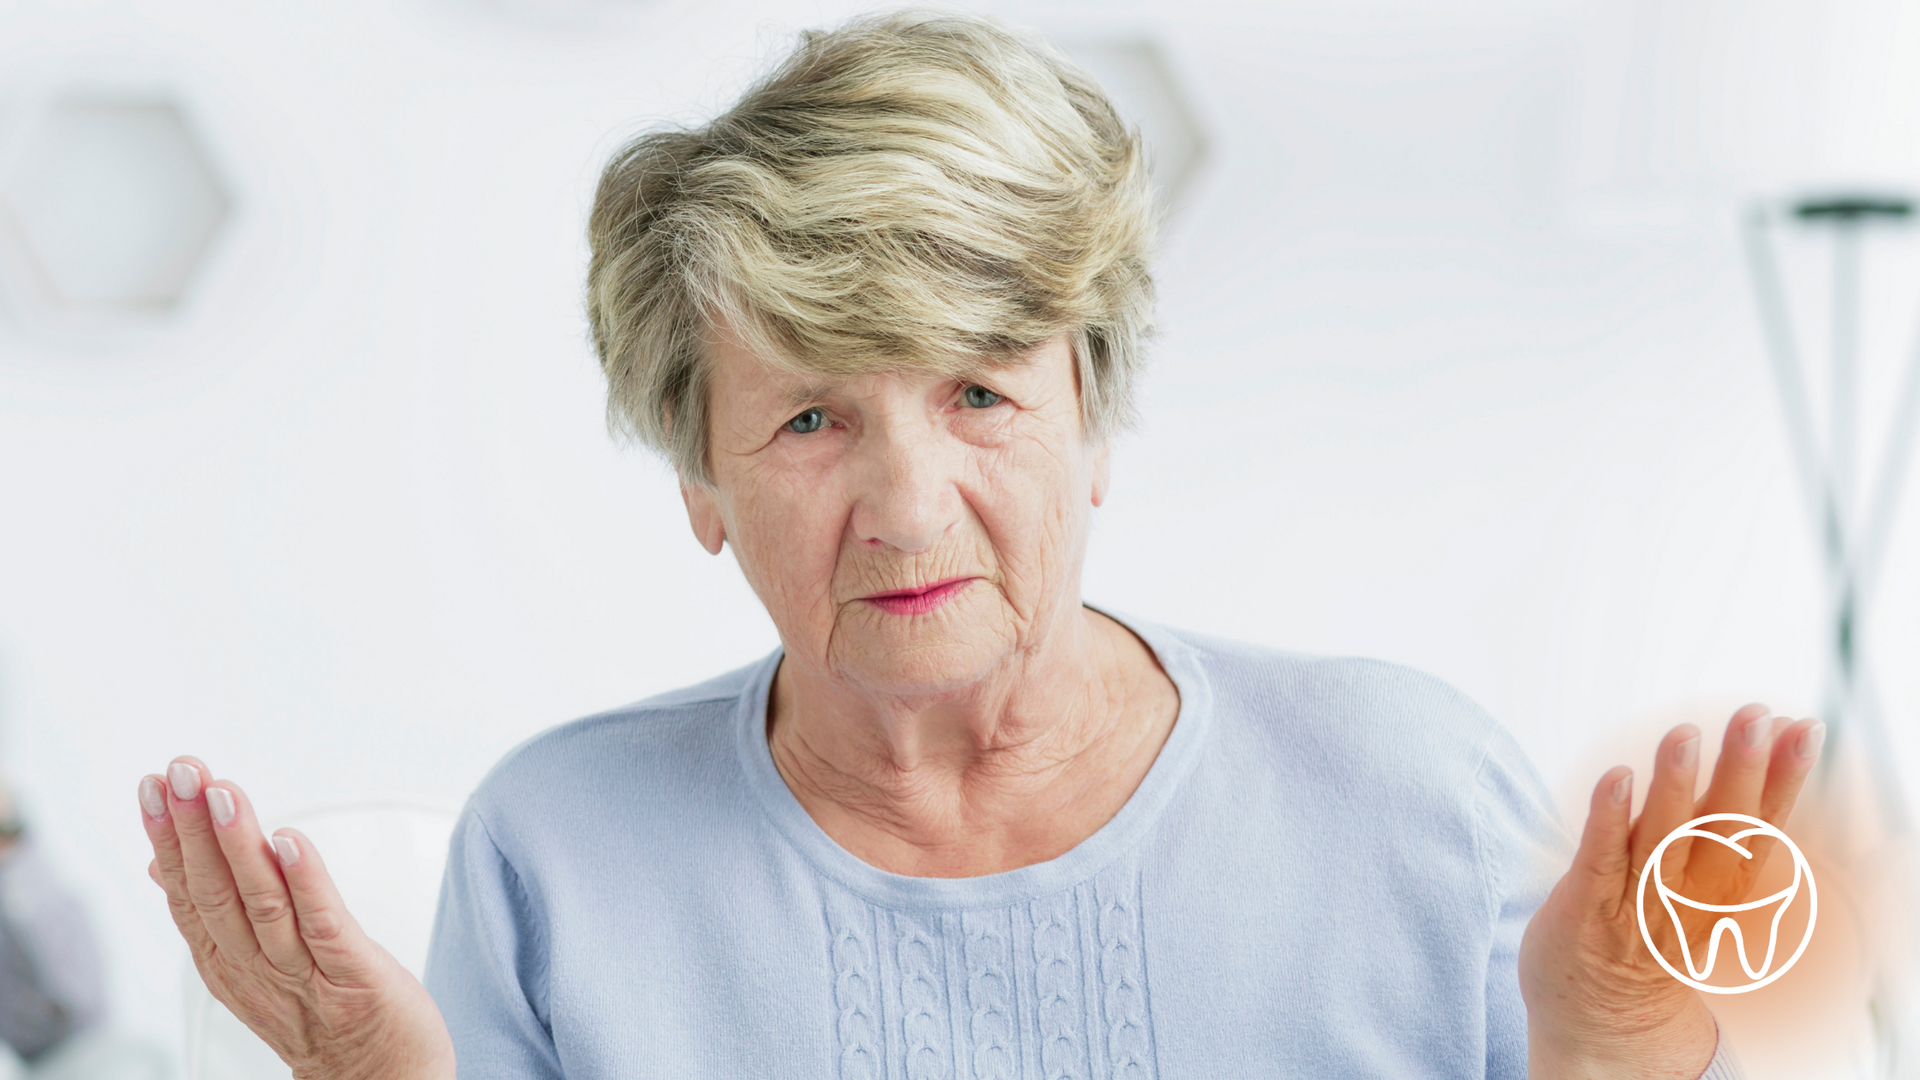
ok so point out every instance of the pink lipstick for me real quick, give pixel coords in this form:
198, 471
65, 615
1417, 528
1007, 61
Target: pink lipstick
919, 601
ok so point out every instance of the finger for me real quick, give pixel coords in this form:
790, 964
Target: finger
341, 950
1738, 778
1796, 750
1669, 805
1598, 877
256, 876
209, 878
168, 870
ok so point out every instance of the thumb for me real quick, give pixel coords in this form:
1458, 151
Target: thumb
1598, 878
341, 950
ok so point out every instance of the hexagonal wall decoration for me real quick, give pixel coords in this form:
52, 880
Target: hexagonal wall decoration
108, 209
1140, 80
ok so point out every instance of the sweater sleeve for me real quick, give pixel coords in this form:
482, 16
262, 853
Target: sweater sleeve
1521, 844
487, 964
1722, 1067
1523, 848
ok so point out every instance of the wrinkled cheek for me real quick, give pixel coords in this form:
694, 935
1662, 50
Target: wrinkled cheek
1038, 548
788, 555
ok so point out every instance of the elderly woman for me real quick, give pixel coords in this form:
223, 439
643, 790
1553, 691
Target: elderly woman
885, 317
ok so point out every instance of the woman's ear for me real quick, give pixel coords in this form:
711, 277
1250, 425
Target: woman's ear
704, 516
1102, 470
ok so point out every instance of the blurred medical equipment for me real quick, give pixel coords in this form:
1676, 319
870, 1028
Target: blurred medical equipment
52, 985
1851, 519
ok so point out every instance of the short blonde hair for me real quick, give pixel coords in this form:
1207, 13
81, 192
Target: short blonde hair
908, 191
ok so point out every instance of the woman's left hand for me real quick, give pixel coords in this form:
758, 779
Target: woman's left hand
1598, 1003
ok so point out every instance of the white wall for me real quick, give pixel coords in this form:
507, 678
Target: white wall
352, 524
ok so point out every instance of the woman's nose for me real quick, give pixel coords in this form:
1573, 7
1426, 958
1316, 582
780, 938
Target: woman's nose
909, 498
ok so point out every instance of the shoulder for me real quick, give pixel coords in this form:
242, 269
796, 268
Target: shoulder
1375, 707
652, 750
1376, 742
1382, 734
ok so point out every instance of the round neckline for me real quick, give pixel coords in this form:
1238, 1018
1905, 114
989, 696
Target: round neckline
1120, 834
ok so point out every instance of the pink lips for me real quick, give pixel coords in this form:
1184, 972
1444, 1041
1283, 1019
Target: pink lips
919, 601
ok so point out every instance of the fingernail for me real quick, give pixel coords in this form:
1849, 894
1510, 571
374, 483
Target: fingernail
185, 780
1810, 742
1622, 787
220, 801
152, 799
1755, 732
1686, 754
288, 851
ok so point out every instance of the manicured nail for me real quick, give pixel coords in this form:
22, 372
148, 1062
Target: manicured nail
1755, 732
185, 780
220, 801
288, 851
152, 799
1622, 787
1810, 741
1686, 753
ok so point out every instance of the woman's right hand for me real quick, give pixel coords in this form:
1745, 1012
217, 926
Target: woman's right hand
274, 943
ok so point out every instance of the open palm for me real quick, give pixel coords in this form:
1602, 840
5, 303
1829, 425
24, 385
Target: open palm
274, 943
1598, 1003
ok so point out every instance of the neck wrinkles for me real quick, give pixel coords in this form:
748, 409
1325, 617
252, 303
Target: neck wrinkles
1014, 770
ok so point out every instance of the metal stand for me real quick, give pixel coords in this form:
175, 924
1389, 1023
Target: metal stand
1852, 535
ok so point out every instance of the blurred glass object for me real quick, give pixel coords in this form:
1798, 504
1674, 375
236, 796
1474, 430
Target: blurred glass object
110, 207
386, 856
1136, 73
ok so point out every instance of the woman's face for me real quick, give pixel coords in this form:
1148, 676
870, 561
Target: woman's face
909, 533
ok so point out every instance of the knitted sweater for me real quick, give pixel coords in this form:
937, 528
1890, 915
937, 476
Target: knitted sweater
1325, 873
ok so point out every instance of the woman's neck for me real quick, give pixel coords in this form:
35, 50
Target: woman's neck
1016, 771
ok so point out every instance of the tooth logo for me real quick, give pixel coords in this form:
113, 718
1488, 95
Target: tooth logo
1726, 926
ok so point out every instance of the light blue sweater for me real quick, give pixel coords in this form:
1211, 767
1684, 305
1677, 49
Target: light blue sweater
1325, 873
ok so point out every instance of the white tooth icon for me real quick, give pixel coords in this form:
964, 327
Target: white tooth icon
1758, 975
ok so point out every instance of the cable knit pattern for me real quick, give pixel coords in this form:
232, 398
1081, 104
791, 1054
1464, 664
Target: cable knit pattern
1058, 988
1123, 977
856, 990
925, 1023
990, 990
1021, 1008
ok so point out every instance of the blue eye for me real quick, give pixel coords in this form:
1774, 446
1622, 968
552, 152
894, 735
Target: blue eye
979, 397
807, 422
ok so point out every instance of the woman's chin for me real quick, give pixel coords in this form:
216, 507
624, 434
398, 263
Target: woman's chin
938, 652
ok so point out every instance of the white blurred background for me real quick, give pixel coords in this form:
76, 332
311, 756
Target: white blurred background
302, 460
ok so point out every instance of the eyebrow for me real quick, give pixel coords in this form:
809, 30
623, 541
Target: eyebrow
814, 391
800, 395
